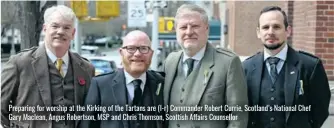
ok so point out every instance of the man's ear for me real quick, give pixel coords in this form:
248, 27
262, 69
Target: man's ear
152, 53
120, 51
44, 28
258, 32
73, 33
288, 31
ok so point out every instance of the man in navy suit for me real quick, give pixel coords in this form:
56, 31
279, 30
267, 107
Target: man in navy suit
286, 88
133, 86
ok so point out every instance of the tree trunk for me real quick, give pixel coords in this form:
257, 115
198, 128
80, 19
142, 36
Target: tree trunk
27, 16
31, 18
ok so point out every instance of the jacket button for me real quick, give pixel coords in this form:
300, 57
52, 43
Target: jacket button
178, 125
272, 98
181, 101
272, 119
272, 89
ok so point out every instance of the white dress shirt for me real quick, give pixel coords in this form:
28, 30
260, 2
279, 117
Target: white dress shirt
281, 55
197, 57
65, 59
131, 87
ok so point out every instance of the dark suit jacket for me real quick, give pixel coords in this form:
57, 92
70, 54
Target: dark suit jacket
25, 81
110, 89
300, 66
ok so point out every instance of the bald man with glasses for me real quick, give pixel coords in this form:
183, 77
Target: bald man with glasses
131, 86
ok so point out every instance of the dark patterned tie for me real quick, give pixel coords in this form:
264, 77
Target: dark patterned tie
273, 69
138, 92
190, 64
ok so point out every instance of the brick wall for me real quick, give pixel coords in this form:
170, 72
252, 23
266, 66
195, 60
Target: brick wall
289, 12
242, 22
313, 30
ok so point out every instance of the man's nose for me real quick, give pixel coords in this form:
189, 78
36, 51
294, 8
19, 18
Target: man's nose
270, 30
189, 30
137, 53
60, 30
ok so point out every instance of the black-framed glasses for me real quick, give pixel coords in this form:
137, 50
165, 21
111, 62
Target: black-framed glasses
133, 49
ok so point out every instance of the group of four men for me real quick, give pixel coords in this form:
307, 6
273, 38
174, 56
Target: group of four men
198, 75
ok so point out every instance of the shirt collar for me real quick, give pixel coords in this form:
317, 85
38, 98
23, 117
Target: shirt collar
198, 56
281, 55
53, 57
129, 78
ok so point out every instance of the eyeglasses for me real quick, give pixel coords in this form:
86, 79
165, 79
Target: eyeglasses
133, 49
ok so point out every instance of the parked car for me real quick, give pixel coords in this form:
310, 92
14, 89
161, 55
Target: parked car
89, 40
90, 51
113, 40
102, 65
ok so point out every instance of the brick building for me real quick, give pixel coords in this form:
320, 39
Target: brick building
312, 28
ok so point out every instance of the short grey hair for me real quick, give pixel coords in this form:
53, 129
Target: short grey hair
62, 9
192, 8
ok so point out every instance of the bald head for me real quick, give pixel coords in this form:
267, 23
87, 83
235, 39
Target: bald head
136, 53
136, 36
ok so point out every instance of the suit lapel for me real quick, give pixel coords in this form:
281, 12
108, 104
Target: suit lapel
170, 74
153, 84
79, 73
41, 73
257, 70
203, 77
118, 87
291, 77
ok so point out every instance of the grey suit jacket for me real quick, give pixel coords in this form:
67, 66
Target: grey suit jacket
225, 85
25, 81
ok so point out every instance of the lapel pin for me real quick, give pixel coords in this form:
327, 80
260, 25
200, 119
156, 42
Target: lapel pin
301, 89
158, 90
81, 81
205, 77
292, 72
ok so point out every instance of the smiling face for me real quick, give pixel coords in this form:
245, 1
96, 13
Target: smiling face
136, 53
272, 31
59, 31
191, 31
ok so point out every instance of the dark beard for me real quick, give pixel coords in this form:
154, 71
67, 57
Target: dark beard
273, 47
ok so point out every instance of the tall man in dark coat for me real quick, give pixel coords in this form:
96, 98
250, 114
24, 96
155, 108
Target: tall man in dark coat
286, 88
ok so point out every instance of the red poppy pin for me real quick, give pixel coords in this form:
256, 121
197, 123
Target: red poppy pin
82, 81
